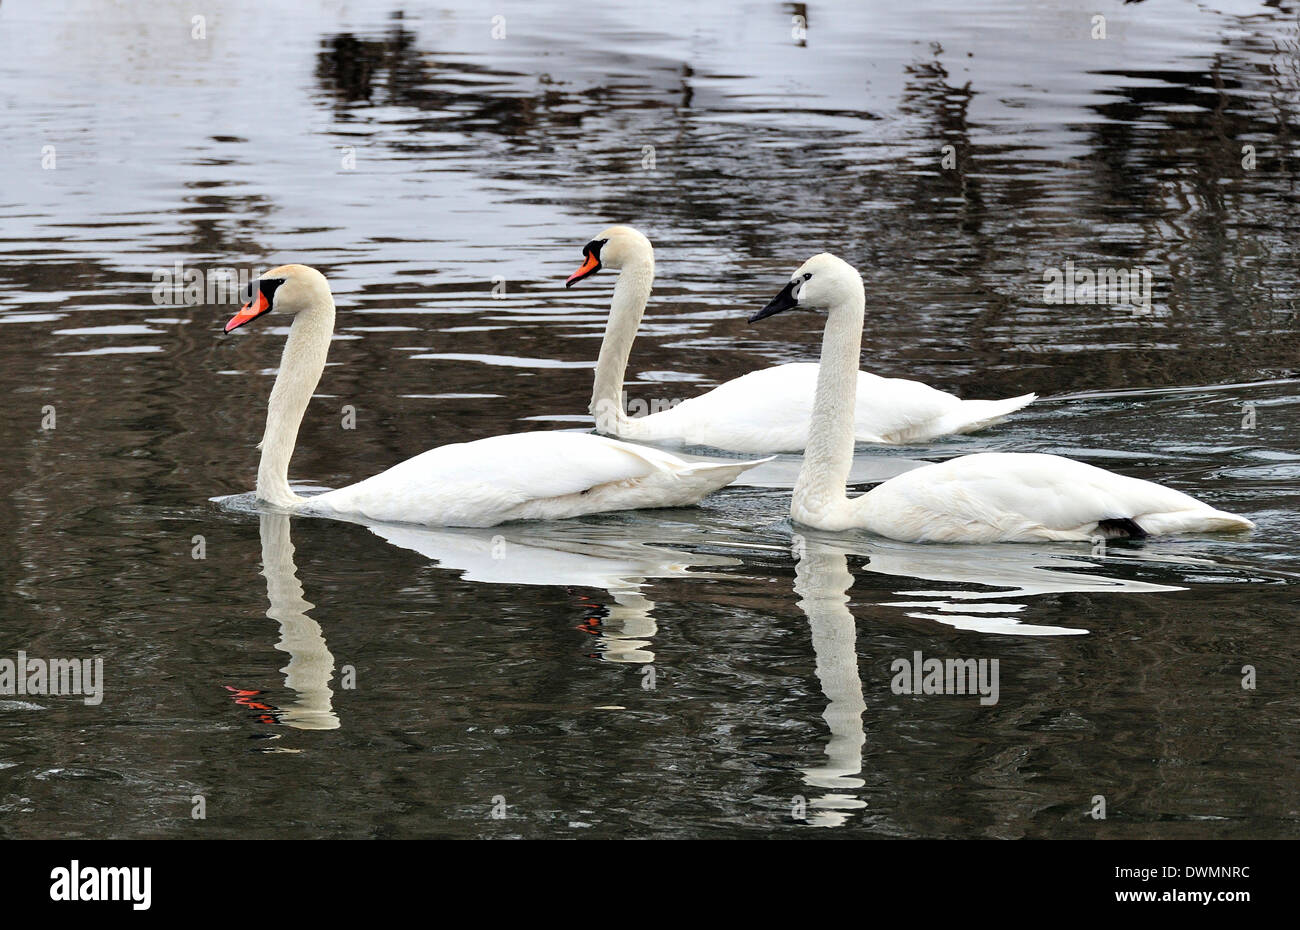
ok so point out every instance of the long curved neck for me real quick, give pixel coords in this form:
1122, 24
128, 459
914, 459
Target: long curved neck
819, 498
631, 293
300, 370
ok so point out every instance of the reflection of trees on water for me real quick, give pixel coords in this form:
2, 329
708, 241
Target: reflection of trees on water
1158, 183
454, 92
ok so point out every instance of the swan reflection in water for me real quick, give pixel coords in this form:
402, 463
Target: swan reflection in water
619, 559
822, 583
985, 576
311, 665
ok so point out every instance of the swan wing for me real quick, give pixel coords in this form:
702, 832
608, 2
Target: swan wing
898, 411
895, 410
486, 481
769, 410
763, 411
997, 497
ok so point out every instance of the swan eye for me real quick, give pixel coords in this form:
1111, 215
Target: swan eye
807, 276
267, 286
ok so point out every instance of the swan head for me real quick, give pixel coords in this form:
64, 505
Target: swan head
613, 248
821, 283
286, 289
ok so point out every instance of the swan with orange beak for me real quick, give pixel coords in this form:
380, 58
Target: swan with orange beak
517, 476
768, 410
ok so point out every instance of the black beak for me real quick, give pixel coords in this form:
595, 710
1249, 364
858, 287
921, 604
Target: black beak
780, 303
590, 262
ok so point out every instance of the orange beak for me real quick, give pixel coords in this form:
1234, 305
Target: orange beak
254, 308
589, 267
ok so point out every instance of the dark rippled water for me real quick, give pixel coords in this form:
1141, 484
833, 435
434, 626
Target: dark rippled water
704, 672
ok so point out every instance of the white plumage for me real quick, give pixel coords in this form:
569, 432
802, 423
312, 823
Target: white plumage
526, 476
1026, 496
769, 410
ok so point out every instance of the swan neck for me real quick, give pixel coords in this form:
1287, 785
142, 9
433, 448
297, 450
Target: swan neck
300, 370
631, 293
819, 495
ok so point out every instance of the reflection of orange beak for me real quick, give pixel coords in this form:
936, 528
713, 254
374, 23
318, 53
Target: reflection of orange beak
254, 308
589, 267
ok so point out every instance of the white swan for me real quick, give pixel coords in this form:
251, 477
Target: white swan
766, 410
987, 497
519, 476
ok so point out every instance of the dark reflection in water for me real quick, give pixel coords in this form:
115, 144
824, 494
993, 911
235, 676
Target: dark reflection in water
680, 673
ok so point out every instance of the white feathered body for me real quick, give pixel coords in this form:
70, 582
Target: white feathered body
1025, 497
987, 497
770, 410
525, 476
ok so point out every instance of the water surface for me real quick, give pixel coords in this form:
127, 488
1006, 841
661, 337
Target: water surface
704, 672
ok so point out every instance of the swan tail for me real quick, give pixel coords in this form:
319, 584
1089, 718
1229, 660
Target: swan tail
1193, 521
975, 415
719, 474
681, 485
